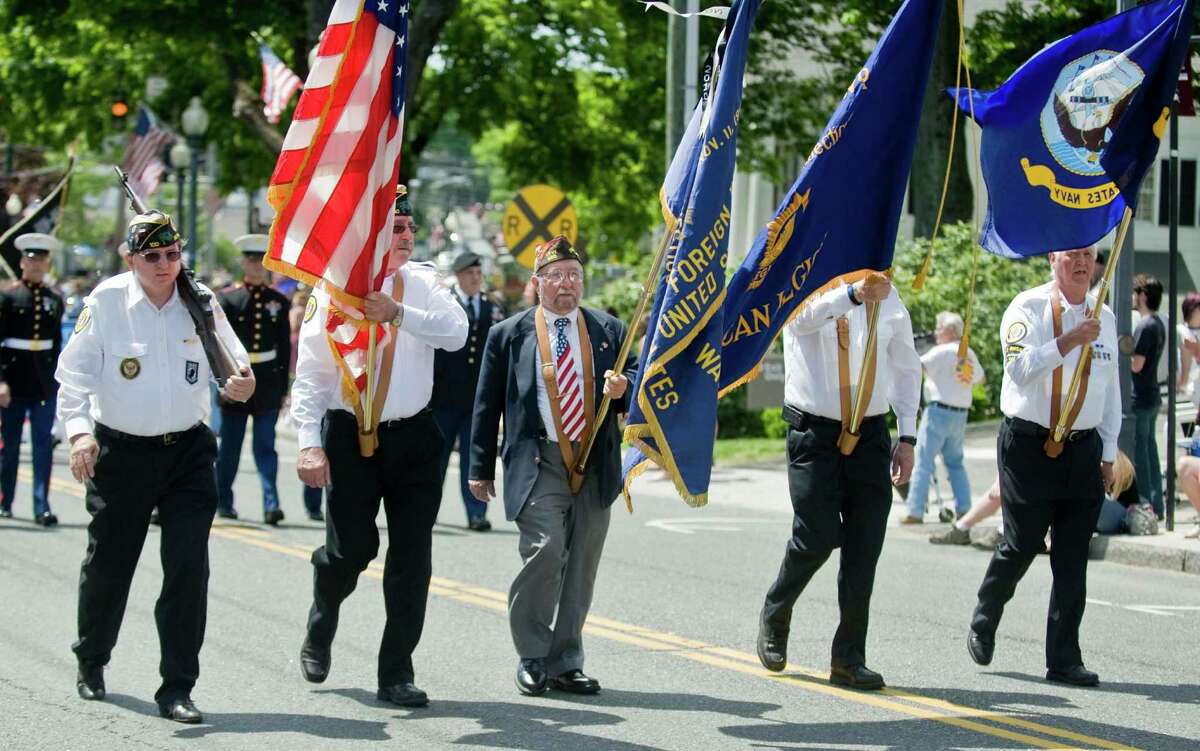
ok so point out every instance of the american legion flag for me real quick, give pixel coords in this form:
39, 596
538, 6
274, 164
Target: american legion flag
143, 160
279, 83
335, 181
1069, 136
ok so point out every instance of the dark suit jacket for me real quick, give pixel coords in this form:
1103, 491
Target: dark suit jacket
508, 387
456, 374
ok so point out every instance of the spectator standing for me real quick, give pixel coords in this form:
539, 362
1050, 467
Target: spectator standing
1149, 339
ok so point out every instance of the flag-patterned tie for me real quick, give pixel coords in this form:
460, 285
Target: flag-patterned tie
570, 389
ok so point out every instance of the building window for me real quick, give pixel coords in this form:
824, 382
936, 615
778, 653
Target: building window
1145, 207
1187, 193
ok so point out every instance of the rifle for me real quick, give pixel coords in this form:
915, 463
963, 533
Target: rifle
198, 304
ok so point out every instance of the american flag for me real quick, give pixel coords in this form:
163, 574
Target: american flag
335, 181
143, 155
279, 83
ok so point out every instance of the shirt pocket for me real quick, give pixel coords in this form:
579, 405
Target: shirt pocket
128, 362
189, 366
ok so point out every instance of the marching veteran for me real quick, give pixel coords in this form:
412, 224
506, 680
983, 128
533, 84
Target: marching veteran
259, 315
841, 491
1056, 487
134, 399
30, 341
421, 316
544, 371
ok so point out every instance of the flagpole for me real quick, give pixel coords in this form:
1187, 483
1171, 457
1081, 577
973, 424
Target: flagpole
1055, 440
848, 440
630, 333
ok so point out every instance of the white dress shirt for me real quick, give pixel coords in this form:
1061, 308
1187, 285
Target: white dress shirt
572, 331
134, 367
432, 320
1031, 355
810, 356
469, 301
941, 375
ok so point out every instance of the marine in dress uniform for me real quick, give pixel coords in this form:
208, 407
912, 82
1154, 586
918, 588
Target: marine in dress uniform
842, 500
403, 472
259, 316
455, 376
544, 371
30, 340
134, 399
1043, 333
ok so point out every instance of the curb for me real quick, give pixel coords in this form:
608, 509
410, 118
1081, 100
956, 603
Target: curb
1116, 550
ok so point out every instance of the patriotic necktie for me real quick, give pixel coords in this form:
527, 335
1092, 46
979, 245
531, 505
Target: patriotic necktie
570, 389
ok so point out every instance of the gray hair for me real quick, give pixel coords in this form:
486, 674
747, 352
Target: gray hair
948, 320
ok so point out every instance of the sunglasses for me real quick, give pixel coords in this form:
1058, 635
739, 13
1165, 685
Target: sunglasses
401, 226
154, 256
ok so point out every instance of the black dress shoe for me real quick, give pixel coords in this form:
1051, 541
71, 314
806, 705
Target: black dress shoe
403, 694
772, 646
479, 525
314, 662
980, 648
858, 676
316, 516
227, 513
531, 677
273, 517
46, 519
575, 682
1074, 676
181, 710
5, 512
89, 682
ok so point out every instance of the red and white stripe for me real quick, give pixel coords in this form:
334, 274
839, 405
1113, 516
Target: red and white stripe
143, 159
334, 183
279, 85
570, 394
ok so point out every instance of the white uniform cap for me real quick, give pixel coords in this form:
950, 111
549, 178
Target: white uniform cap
252, 243
37, 241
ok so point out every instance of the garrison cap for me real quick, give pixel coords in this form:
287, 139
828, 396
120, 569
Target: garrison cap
403, 207
556, 249
36, 243
154, 229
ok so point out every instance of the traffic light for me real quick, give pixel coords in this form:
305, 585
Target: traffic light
119, 108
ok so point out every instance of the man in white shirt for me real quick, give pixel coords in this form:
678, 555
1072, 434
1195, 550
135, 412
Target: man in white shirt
403, 471
134, 400
947, 400
842, 499
1043, 487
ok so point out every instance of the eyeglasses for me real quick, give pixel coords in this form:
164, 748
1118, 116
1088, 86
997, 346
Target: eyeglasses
558, 277
401, 226
154, 256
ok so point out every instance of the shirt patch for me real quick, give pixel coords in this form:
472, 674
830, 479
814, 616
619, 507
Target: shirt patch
191, 371
84, 320
1017, 331
310, 309
130, 368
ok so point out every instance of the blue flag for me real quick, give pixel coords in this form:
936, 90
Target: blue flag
839, 219
672, 419
1068, 138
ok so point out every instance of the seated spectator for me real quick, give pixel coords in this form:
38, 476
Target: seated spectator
1115, 511
1189, 480
960, 531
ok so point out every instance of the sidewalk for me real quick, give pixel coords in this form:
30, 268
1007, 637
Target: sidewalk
1166, 550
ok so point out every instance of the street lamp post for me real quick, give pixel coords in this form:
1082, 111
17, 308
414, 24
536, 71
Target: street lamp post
195, 123
181, 157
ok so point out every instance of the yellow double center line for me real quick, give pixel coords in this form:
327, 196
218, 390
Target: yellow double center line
983, 721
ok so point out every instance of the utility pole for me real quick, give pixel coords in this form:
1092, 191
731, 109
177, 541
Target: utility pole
1121, 301
676, 77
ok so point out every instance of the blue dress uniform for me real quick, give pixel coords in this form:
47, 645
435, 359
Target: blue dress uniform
259, 316
455, 376
30, 340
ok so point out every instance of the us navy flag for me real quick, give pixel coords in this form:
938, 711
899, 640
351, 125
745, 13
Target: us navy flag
1068, 138
672, 418
839, 219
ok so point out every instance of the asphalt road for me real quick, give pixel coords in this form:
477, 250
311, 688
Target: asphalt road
671, 639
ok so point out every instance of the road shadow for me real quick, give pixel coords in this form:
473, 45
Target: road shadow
892, 735
1180, 693
244, 723
21, 525
669, 702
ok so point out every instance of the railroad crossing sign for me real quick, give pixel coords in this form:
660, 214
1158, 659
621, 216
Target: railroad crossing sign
534, 215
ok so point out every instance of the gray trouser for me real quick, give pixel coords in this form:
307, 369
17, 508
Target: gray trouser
562, 537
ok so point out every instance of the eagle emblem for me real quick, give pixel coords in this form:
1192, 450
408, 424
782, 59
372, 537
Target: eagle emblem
1089, 99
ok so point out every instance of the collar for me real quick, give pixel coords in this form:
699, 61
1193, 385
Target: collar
136, 294
573, 316
1089, 300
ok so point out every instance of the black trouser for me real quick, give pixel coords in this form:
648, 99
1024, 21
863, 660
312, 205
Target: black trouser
132, 477
1038, 493
839, 501
404, 473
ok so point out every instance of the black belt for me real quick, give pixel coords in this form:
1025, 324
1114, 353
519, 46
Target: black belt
799, 419
344, 416
943, 405
1025, 427
166, 439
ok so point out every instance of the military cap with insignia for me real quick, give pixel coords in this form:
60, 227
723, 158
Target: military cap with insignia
403, 207
36, 243
154, 229
252, 245
556, 249
465, 261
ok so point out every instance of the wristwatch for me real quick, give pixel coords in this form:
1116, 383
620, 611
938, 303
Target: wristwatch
910, 440
399, 318
850, 294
